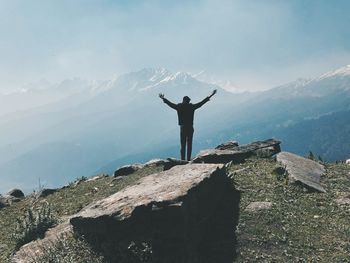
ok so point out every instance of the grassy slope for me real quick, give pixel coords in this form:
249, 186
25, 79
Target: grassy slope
301, 226
65, 202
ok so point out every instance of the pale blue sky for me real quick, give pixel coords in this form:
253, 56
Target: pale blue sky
255, 44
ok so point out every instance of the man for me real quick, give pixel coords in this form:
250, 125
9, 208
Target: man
185, 114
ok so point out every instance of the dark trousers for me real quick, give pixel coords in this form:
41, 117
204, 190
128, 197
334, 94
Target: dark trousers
186, 136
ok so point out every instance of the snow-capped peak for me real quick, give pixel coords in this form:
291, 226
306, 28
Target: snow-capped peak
341, 72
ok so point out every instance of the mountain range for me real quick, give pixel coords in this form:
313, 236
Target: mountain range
54, 133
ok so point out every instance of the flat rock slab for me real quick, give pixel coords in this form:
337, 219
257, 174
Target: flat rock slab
167, 187
221, 156
183, 211
228, 152
302, 170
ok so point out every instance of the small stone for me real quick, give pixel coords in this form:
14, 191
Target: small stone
46, 192
16, 193
97, 177
257, 206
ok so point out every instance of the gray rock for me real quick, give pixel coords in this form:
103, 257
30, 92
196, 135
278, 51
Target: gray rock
237, 154
347, 161
257, 206
15, 193
221, 156
127, 169
231, 145
302, 170
188, 212
9, 200
97, 177
46, 192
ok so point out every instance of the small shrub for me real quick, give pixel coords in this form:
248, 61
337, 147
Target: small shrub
33, 225
67, 249
311, 156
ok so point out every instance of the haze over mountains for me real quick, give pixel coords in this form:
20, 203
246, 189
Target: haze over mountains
77, 128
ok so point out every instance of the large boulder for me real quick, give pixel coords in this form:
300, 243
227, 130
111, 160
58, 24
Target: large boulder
347, 161
187, 214
303, 170
228, 152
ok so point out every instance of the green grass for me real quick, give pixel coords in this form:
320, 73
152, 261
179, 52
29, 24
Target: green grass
65, 202
302, 226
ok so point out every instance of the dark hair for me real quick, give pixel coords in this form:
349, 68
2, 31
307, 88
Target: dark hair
186, 99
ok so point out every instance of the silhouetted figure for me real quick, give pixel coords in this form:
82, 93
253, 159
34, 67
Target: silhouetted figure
185, 114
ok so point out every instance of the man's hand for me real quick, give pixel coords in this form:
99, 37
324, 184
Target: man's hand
213, 93
161, 95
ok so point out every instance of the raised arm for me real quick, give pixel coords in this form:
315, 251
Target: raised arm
168, 102
200, 104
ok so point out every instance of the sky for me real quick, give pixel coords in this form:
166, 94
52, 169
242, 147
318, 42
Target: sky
255, 44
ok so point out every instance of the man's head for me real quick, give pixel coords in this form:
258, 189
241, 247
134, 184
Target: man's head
186, 100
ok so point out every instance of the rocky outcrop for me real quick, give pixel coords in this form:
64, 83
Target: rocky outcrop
187, 214
16, 193
347, 161
227, 145
11, 197
221, 156
303, 170
167, 164
228, 152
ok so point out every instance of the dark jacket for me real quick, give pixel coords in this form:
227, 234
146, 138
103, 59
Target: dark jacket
185, 111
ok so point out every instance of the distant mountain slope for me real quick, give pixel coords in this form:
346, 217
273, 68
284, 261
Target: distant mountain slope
327, 136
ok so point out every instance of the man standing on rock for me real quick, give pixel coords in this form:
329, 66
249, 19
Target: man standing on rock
185, 114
